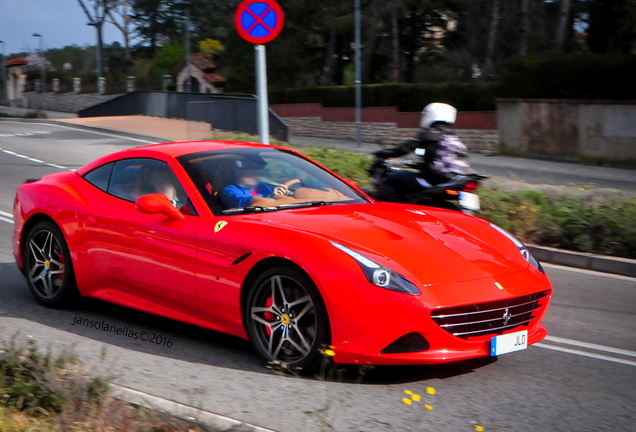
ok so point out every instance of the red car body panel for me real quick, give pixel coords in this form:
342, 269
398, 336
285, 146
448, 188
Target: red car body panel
186, 271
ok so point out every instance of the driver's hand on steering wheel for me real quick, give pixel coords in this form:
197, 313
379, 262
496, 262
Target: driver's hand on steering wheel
280, 191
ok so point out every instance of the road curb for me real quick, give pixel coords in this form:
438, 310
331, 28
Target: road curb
154, 139
186, 412
587, 261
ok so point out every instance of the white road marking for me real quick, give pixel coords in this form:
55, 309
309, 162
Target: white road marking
591, 346
12, 153
586, 354
57, 166
19, 134
589, 272
6, 220
6, 214
89, 131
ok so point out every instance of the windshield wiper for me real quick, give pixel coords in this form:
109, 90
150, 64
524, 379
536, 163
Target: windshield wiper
250, 209
261, 209
302, 205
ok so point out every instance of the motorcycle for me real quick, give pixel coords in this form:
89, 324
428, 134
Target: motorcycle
460, 188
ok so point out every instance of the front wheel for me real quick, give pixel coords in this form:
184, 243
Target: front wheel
48, 266
286, 318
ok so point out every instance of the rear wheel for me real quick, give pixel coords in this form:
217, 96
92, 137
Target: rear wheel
286, 318
48, 267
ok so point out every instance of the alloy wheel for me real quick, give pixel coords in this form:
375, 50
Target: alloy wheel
283, 319
46, 259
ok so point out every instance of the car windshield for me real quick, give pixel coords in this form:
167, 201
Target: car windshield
249, 180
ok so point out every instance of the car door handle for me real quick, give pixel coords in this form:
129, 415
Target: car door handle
91, 220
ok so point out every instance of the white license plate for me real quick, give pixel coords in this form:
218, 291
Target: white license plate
508, 343
469, 201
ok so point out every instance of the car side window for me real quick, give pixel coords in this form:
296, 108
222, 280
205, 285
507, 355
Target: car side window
100, 176
132, 178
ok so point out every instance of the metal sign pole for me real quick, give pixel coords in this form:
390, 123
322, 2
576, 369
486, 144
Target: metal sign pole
358, 77
261, 92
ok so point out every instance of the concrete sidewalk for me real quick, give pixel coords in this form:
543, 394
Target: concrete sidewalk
166, 128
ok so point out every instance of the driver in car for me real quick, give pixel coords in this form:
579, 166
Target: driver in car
248, 190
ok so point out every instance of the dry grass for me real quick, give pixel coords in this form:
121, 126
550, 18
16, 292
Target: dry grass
40, 392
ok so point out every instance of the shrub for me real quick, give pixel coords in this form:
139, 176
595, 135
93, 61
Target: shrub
570, 76
605, 228
407, 97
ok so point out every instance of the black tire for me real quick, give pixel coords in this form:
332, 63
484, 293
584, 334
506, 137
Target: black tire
47, 266
287, 302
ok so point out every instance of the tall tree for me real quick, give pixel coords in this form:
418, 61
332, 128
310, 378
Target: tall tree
156, 21
394, 69
612, 25
525, 19
119, 13
97, 19
492, 37
562, 26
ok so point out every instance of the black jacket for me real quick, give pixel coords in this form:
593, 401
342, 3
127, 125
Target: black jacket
426, 139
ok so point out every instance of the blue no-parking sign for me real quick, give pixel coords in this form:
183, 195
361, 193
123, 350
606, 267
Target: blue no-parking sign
259, 21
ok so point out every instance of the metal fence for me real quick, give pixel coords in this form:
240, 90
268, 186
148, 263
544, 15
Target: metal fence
230, 112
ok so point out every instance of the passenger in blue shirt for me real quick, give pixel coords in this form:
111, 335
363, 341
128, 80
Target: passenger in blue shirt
247, 187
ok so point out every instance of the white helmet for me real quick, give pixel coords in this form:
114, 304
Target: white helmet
437, 113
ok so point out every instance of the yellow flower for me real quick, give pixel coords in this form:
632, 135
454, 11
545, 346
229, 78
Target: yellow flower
523, 207
430, 390
330, 353
407, 401
479, 428
428, 407
582, 189
408, 392
416, 397
512, 211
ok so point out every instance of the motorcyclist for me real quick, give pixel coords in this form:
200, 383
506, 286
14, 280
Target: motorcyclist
441, 155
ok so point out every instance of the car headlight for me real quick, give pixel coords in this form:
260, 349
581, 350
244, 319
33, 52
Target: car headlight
378, 275
522, 248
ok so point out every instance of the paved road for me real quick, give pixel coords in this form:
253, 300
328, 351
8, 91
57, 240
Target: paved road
532, 171
582, 379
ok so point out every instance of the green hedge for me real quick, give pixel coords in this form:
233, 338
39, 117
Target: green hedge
407, 97
570, 76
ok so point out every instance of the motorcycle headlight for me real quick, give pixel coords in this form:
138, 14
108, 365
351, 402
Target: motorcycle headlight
378, 275
522, 248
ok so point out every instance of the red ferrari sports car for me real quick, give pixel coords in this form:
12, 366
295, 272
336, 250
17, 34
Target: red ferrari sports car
262, 243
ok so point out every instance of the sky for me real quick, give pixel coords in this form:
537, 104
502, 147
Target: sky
60, 22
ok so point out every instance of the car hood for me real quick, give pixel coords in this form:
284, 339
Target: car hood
413, 240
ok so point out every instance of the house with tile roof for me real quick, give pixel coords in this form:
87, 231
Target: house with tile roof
203, 76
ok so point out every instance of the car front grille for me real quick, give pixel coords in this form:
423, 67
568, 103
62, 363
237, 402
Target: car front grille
490, 318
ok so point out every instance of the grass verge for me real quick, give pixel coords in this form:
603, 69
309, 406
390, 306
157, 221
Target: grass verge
592, 221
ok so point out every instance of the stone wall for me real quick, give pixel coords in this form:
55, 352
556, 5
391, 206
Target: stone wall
587, 131
482, 140
66, 102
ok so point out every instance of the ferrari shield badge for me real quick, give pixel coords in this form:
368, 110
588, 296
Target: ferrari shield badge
219, 226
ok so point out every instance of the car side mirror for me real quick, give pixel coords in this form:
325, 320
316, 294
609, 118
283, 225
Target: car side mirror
157, 203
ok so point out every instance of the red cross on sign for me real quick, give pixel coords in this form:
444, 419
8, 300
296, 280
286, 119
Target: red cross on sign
259, 21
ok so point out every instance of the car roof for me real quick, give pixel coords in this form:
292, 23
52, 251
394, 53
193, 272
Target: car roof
176, 149
172, 149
